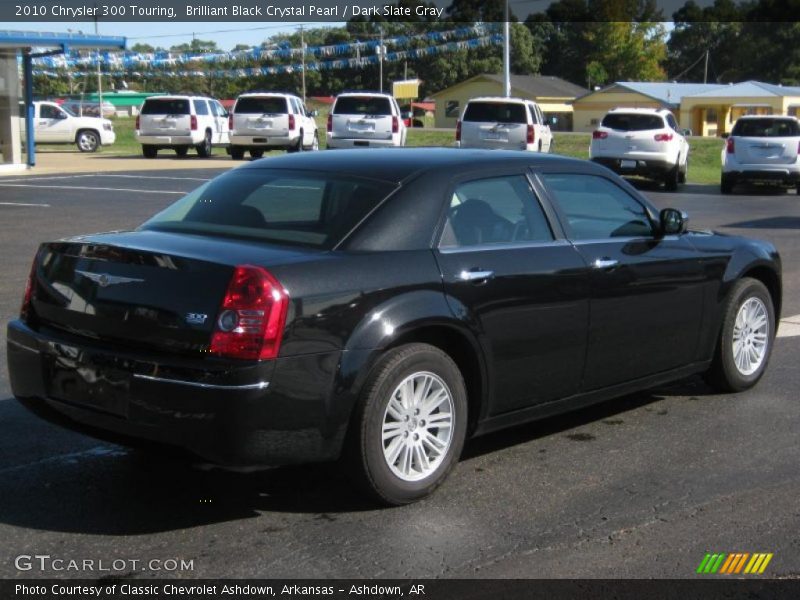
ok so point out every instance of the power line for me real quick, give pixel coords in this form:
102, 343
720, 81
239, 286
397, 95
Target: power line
193, 33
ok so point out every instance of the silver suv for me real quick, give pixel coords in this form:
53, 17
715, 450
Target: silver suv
365, 119
507, 123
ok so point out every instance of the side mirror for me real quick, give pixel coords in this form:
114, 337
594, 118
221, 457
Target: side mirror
62, 115
314, 113
687, 132
673, 221
725, 135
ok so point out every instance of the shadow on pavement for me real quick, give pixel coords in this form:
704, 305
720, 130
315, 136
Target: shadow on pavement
108, 490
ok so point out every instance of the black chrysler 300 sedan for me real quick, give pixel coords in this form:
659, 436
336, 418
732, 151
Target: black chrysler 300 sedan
380, 306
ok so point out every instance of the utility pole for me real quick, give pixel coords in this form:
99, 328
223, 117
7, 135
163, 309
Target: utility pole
303, 54
380, 61
99, 74
705, 72
507, 54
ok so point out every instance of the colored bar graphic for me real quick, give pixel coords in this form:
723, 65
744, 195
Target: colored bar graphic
703, 563
733, 563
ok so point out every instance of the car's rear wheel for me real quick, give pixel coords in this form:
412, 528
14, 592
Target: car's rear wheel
726, 184
672, 178
410, 426
745, 339
149, 151
181, 150
684, 171
204, 147
797, 188
87, 140
237, 153
256, 153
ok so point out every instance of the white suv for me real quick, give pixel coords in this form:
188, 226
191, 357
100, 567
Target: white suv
642, 141
762, 149
180, 123
507, 123
270, 121
54, 124
365, 119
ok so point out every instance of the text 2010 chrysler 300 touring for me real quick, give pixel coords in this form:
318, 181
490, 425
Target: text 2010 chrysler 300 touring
380, 307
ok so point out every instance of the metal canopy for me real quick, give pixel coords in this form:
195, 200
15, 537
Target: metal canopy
43, 39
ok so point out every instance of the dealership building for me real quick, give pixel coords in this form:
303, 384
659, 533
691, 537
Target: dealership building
18, 49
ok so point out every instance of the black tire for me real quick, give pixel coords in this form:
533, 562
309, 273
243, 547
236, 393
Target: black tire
256, 153
237, 153
364, 457
298, 147
724, 374
684, 172
149, 151
726, 184
87, 140
672, 178
204, 148
181, 150
314, 144
797, 189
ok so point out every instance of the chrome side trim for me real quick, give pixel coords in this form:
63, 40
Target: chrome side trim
22, 346
261, 385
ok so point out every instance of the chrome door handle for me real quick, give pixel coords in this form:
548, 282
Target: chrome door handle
605, 263
475, 275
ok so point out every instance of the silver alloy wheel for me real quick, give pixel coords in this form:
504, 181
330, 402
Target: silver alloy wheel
87, 141
418, 426
750, 336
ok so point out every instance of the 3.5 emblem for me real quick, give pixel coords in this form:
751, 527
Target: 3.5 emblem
105, 280
196, 318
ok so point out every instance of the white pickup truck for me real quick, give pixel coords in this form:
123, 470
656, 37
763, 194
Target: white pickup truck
54, 124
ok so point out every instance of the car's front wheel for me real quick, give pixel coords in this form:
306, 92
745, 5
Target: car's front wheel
745, 339
411, 424
88, 141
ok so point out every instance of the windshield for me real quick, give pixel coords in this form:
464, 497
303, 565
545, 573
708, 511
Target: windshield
256, 105
495, 112
362, 105
309, 209
176, 106
766, 128
632, 122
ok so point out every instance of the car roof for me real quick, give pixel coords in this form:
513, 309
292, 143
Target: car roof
271, 94
756, 117
177, 97
399, 164
498, 99
646, 111
357, 93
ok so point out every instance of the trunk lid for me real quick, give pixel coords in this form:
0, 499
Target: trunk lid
766, 150
147, 289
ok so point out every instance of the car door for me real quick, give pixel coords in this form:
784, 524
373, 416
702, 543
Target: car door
547, 135
221, 122
52, 125
683, 145
646, 290
519, 284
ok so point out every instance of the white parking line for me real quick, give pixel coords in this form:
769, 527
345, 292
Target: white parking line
155, 177
23, 204
76, 187
53, 177
789, 327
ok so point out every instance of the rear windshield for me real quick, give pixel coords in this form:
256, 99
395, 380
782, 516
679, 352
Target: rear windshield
362, 105
260, 106
316, 210
166, 107
495, 112
766, 128
632, 122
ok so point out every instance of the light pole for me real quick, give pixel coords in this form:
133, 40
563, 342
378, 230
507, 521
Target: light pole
507, 54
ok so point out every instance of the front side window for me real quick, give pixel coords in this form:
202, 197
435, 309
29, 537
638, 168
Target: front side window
451, 109
496, 210
315, 210
595, 208
47, 111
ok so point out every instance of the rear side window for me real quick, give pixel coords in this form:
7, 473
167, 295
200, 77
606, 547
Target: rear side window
597, 209
200, 107
166, 107
632, 122
494, 211
255, 105
362, 105
495, 112
315, 210
766, 128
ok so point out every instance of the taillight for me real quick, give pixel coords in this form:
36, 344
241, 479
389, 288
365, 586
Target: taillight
230, 122
291, 123
137, 122
599, 135
458, 131
730, 147
330, 123
253, 314
193, 122
531, 134
395, 124
25, 309
663, 137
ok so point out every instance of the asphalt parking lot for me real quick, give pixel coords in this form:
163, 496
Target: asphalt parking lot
641, 486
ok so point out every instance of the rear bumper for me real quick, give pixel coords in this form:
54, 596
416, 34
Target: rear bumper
337, 142
263, 141
649, 167
167, 141
267, 413
784, 174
